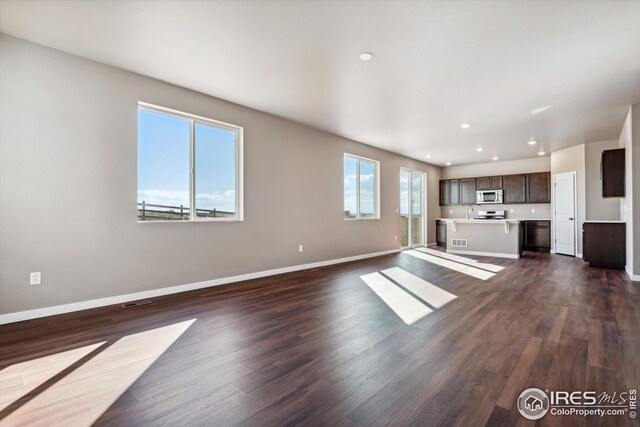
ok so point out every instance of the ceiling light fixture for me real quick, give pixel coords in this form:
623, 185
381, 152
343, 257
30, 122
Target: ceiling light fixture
541, 153
531, 142
494, 158
365, 56
465, 125
448, 163
479, 149
428, 156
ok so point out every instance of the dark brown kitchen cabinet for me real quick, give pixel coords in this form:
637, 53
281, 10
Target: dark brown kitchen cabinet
536, 235
612, 171
454, 192
539, 187
483, 183
495, 183
445, 190
604, 244
468, 191
489, 183
441, 233
514, 187
449, 192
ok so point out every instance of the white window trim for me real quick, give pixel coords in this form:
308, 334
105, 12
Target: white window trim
239, 189
376, 192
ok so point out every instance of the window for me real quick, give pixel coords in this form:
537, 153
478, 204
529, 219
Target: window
189, 167
360, 188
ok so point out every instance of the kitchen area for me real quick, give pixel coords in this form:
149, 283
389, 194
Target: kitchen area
499, 215
570, 204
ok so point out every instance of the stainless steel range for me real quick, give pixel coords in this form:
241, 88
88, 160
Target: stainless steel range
491, 215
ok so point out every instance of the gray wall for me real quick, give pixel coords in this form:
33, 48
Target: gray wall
509, 167
68, 138
598, 208
635, 131
626, 203
521, 211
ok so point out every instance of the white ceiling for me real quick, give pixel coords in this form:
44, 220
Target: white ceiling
561, 72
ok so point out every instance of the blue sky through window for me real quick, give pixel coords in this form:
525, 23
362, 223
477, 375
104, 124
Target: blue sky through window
359, 187
163, 163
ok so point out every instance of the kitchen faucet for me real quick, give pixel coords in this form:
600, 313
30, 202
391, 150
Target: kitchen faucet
469, 207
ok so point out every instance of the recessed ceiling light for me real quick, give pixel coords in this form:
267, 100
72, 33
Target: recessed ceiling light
365, 56
531, 142
479, 149
541, 153
448, 163
465, 125
494, 158
428, 156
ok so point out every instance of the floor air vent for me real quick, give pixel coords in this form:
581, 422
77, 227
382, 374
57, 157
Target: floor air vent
459, 243
135, 303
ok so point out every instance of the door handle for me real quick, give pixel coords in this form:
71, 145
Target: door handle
570, 219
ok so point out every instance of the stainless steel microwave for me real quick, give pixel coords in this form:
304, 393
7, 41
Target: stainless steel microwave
488, 196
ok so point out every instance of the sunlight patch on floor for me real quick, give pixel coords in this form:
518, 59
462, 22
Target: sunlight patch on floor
408, 308
428, 292
463, 260
462, 268
82, 396
21, 378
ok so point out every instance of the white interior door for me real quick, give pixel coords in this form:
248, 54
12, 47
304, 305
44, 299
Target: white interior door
564, 213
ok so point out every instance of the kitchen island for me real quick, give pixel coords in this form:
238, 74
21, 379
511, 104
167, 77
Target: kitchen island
485, 237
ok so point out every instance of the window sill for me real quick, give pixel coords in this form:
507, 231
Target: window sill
192, 221
362, 219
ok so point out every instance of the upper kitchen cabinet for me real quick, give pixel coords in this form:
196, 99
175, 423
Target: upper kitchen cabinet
515, 189
539, 187
612, 171
495, 183
454, 191
468, 191
445, 189
489, 183
483, 183
450, 192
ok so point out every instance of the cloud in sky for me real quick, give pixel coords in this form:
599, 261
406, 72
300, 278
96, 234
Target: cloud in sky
221, 200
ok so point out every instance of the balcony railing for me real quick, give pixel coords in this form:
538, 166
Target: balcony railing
153, 212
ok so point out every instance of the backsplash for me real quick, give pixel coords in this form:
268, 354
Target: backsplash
542, 211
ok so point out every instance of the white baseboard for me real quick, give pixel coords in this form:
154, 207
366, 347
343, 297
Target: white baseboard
499, 255
119, 299
633, 277
579, 256
552, 251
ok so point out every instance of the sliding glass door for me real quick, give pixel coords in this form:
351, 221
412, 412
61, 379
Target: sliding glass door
411, 208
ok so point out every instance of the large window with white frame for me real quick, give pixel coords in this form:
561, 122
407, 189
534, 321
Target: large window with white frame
189, 167
361, 188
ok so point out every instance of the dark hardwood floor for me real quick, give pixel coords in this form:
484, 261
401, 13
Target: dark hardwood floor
320, 347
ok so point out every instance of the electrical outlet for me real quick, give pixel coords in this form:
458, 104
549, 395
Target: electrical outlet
300, 248
533, 210
395, 238
510, 210
35, 278
450, 211
397, 210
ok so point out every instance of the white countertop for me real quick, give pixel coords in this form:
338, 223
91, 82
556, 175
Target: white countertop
479, 221
499, 220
